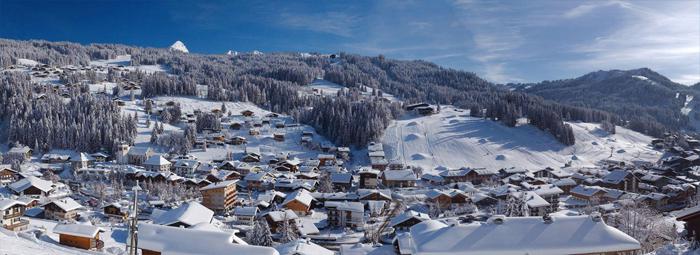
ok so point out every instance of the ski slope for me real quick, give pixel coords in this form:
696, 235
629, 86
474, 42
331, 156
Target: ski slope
451, 139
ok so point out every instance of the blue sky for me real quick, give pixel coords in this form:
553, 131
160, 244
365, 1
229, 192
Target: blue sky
503, 41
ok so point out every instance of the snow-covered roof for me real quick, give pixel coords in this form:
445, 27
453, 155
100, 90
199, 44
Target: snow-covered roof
31, 181
138, 151
81, 230
302, 247
157, 160
181, 241
67, 204
362, 193
564, 182
346, 206
301, 195
520, 235
399, 175
246, 211
81, 157
532, 199
616, 176
586, 190
7, 203
341, 177
278, 216
189, 213
218, 185
407, 215
547, 190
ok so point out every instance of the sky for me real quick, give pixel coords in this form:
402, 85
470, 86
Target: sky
502, 41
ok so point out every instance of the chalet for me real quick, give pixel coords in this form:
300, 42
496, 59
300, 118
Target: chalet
549, 193
11, 211
425, 110
368, 178
236, 126
655, 200
620, 179
465, 174
448, 199
246, 215
7, 175
291, 165
374, 195
186, 215
186, 167
341, 181
345, 214
482, 200
137, 155
81, 236
258, 181
115, 210
219, 196
556, 235
399, 178
565, 185
589, 194
298, 201
537, 205
201, 239
238, 140
62, 209
326, 159
223, 175
343, 153
251, 157
20, 152
413, 107
289, 185
53, 158
81, 160
32, 186
99, 157
279, 124
275, 219
408, 219
691, 217
657, 181
157, 163
247, 113
551, 173
432, 179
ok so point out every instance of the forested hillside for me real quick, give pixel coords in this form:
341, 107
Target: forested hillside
274, 81
648, 101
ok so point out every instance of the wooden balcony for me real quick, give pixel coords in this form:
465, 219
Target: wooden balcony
12, 215
18, 225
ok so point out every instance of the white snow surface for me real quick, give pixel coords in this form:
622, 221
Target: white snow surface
179, 46
452, 139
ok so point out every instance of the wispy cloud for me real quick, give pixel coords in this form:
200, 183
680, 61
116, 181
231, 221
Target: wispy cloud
336, 23
584, 9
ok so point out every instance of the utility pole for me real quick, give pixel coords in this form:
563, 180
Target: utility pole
133, 223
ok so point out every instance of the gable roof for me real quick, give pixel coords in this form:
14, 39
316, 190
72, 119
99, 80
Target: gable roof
301, 195
407, 215
157, 160
7, 203
217, 185
399, 175
181, 241
31, 181
525, 235
302, 247
81, 230
67, 204
189, 213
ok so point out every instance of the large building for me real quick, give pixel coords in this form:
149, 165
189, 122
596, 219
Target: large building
518, 235
219, 196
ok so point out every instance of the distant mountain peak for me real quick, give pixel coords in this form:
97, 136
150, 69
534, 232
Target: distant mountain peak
179, 46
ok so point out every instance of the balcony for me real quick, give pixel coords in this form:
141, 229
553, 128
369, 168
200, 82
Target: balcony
18, 225
12, 215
